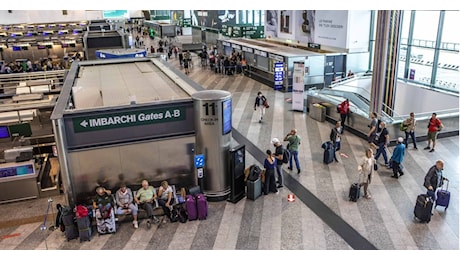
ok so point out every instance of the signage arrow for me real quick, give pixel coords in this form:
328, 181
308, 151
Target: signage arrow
84, 123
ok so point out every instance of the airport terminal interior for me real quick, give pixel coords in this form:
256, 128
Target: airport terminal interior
56, 147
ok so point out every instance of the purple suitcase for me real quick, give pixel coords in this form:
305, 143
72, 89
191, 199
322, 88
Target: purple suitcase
202, 206
190, 206
443, 197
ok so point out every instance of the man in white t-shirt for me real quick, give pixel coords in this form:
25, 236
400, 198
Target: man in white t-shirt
165, 192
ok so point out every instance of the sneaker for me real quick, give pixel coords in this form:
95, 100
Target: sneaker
432, 150
136, 225
279, 186
289, 168
277, 192
394, 176
260, 121
149, 224
426, 148
164, 220
156, 220
415, 148
401, 174
367, 196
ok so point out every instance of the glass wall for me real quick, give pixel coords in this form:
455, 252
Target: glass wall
430, 46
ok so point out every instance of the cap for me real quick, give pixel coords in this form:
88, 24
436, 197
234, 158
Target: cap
275, 141
400, 139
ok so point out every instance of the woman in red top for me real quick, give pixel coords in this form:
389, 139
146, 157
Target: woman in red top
344, 110
434, 126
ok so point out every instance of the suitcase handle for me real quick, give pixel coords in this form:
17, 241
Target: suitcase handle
447, 184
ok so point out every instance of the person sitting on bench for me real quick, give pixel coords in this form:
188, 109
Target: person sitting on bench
145, 198
125, 203
165, 192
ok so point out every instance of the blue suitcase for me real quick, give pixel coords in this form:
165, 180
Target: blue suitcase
443, 197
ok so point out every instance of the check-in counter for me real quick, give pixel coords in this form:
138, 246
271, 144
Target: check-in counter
18, 181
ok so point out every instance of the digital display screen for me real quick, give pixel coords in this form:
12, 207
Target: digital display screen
226, 116
4, 133
64, 45
16, 48
17, 170
41, 47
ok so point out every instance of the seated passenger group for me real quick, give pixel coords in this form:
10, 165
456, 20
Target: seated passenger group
126, 203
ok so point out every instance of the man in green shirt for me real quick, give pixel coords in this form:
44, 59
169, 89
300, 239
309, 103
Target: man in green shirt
146, 197
293, 147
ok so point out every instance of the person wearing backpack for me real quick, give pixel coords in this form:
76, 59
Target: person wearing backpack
410, 123
279, 153
293, 147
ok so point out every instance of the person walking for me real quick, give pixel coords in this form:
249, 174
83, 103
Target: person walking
382, 141
365, 170
293, 147
279, 151
269, 165
410, 123
260, 104
373, 127
335, 137
344, 110
397, 158
434, 179
434, 126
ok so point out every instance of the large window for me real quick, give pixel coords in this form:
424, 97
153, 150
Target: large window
424, 56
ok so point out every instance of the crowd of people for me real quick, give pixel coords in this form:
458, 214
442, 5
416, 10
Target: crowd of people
26, 65
378, 139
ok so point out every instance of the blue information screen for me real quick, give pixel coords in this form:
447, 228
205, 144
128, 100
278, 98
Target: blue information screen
17, 170
278, 75
226, 116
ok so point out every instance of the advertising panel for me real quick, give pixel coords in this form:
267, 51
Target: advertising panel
331, 28
298, 86
304, 26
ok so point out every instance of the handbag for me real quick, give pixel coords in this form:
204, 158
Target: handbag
266, 105
376, 167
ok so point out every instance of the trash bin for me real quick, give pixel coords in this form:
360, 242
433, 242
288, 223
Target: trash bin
318, 112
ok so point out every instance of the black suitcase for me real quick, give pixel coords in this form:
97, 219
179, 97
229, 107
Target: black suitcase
84, 228
354, 193
329, 151
68, 219
423, 208
254, 189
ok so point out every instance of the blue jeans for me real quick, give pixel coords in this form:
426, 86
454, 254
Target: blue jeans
294, 154
412, 135
382, 151
279, 172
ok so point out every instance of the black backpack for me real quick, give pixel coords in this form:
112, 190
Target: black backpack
286, 155
254, 173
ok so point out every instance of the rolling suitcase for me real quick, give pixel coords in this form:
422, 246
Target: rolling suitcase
443, 197
68, 219
190, 206
354, 192
105, 224
254, 189
84, 228
423, 207
329, 151
201, 206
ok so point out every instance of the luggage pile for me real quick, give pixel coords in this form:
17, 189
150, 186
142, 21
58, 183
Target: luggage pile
196, 206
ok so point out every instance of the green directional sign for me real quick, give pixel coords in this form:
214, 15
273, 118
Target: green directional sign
127, 119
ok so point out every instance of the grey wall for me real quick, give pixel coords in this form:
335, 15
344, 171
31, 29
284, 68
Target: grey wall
411, 98
168, 159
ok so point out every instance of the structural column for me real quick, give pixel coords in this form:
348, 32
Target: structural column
384, 76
